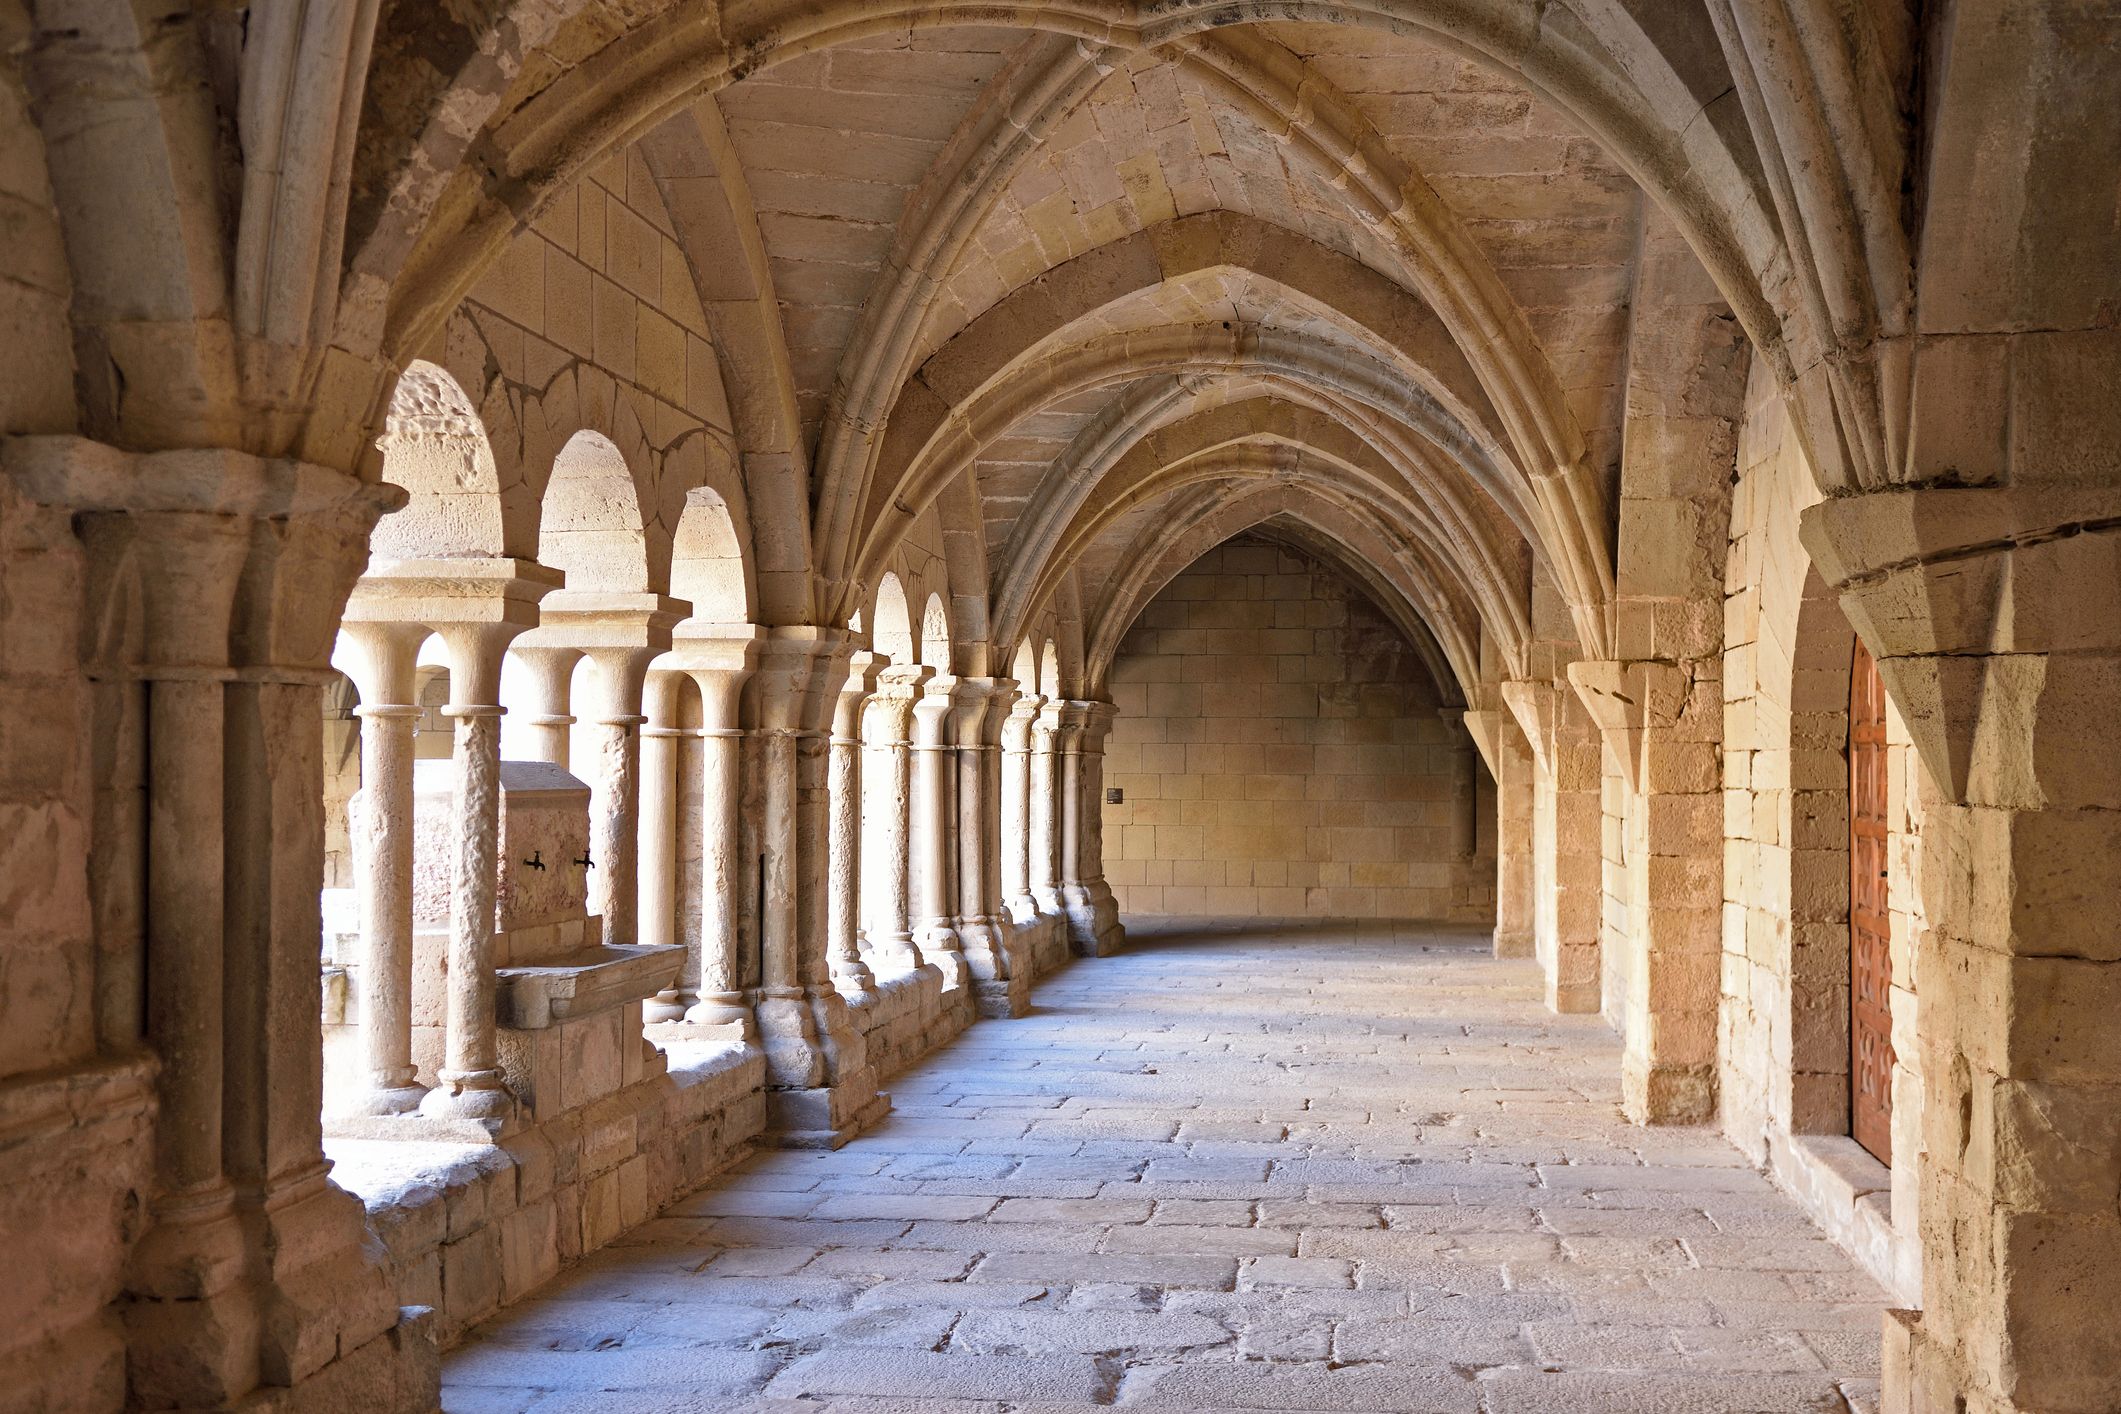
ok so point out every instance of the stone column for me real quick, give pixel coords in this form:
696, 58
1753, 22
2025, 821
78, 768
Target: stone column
998, 985
1045, 808
1567, 834
1017, 731
1662, 725
846, 864
550, 669
1093, 914
382, 668
1510, 762
1999, 644
821, 1088
721, 665
656, 894
1465, 786
934, 822
886, 850
202, 695
469, 1084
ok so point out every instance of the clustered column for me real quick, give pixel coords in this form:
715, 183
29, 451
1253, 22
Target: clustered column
657, 887
821, 1085
887, 849
1093, 914
720, 665
1018, 783
1045, 805
934, 817
385, 655
849, 972
982, 705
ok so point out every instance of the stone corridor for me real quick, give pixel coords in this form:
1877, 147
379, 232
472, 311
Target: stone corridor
1346, 1168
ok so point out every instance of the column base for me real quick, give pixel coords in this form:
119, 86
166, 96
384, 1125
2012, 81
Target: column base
1093, 920
1002, 1000
392, 1100
398, 1372
938, 944
667, 1006
856, 983
1651, 1093
824, 1116
725, 1009
274, 1302
489, 1108
1513, 942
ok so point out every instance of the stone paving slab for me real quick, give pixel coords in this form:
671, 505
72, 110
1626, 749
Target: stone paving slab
1223, 1173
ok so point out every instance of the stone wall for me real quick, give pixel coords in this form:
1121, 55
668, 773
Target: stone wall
1280, 754
1783, 1050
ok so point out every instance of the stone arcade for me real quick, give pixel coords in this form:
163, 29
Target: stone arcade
605, 606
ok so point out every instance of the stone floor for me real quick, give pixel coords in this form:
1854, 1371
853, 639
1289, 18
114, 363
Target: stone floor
1236, 1170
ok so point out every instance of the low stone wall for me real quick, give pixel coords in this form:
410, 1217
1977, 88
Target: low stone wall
470, 1228
910, 1017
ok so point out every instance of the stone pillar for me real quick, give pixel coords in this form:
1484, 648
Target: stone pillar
821, 1088
1567, 830
720, 664
550, 669
1999, 643
1045, 808
1465, 786
933, 830
384, 656
1001, 989
1093, 914
846, 863
201, 590
656, 906
1017, 731
469, 1084
886, 850
1662, 724
1510, 763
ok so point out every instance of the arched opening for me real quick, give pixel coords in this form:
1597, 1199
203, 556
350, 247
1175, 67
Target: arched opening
590, 525
891, 623
935, 635
707, 565
435, 447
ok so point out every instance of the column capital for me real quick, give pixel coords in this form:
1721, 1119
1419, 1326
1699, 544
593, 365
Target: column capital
718, 658
620, 633
1485, 727
903, 681
477, 606
1023, 718
1626, 697
797, 677
1451, 716
863, 670
982, 704
182, 520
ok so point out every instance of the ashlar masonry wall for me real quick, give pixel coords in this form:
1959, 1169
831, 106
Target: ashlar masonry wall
1280, 754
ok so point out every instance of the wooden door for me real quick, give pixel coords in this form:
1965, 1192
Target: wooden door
1870, 928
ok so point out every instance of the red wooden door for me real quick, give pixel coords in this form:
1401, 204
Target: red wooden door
1870, 928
